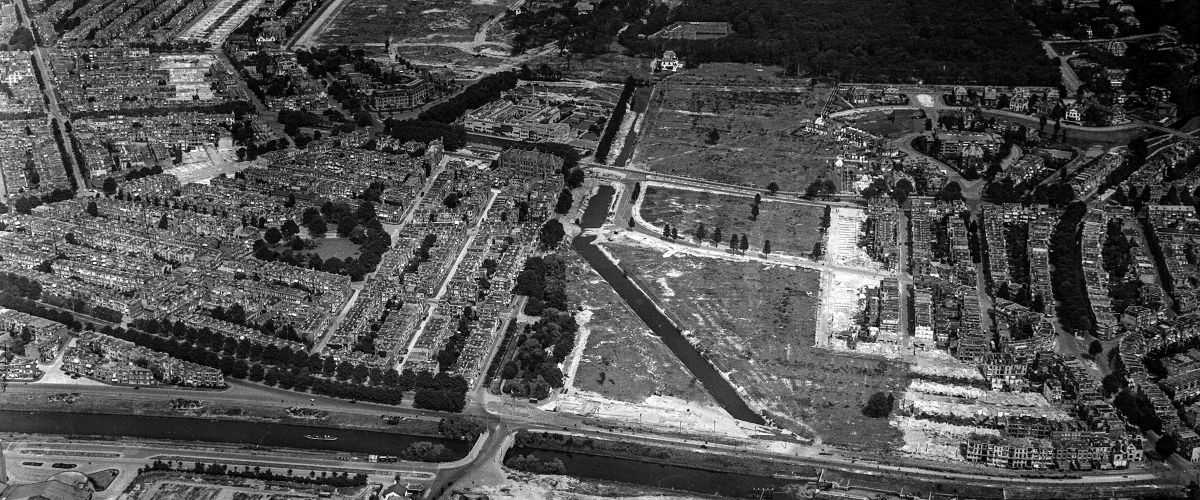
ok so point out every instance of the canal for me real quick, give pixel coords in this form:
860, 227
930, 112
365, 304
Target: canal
264, 434
717, 386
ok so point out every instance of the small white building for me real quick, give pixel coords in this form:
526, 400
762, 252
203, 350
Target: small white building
668, 62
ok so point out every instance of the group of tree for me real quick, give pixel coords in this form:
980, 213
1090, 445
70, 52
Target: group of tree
360, 225
425, 451
551, 234
984, 42
296, 369
950, 192
820, 188
343, 480
736, 243
1117, 253
1137, 410
10, 300
586, 34
544, 72
533, 371
614, 122
544, 281
21, 39
448, 356
754, 207
564, 203
486, 90
24, 204
460, 428
452, 136
879, 405
1069, 287
670, 232
531, 463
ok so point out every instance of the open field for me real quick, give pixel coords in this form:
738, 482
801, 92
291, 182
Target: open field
374, 21
756, 323
749, 135
447, 57
623, 359
792, 229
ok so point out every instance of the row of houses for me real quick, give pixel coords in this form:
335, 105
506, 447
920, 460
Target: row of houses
115, 361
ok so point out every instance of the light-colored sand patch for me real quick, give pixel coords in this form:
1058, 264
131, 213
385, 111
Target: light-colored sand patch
662, 412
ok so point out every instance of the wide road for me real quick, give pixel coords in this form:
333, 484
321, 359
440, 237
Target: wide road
53, 107
515, 415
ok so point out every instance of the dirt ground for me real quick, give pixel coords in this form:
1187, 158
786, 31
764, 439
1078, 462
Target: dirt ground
623, 359
756, 322
792, 229
740, 135
176, 486
373, 21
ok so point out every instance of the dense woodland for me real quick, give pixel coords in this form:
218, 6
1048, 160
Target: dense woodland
936, 41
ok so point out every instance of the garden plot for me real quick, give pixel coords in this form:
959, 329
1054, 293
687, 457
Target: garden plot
755, 322
622, 359
792, 229
743, 135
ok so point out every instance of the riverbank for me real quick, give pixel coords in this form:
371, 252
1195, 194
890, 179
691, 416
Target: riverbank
658, 455
294, 435
157, 406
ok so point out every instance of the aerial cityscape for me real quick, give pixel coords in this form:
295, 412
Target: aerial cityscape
584, 249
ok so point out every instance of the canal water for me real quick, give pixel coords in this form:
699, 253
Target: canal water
263, 434
718, 387
700, 481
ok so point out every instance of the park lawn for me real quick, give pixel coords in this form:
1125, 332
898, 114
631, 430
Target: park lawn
793, 229
336, 247
623, 359
747, 136
756, 323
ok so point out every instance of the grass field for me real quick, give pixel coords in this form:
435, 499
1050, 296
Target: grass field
623, 359
749, 136
792, 229
373, 21
611, 67
890, 125
336, 247
757, 323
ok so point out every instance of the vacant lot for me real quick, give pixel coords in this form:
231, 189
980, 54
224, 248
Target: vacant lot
742, 135
757, 323
792, 229
374, 21
623, 359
